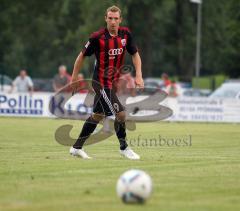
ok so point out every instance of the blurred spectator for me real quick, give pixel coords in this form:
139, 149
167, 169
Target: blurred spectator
61, 79
83, 85
172, 89
23, 83
166, 81
126, 85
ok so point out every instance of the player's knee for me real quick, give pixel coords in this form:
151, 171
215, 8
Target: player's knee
97, 117
121, 116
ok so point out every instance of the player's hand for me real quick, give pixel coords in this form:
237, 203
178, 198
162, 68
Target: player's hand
139, 82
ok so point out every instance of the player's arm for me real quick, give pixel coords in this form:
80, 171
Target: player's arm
136, 59
87, 51
77, 66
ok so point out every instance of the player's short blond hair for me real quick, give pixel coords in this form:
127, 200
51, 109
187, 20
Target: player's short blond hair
113, 9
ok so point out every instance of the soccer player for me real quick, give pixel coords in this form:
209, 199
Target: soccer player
109, 46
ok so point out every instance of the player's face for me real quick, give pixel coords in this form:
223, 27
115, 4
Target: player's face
113, 20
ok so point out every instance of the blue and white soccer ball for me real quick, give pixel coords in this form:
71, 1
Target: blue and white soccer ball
134, 186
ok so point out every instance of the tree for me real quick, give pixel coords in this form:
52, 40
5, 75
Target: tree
40, 35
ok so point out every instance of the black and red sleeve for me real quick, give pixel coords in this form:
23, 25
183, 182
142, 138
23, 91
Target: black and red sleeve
131, 46
89, 47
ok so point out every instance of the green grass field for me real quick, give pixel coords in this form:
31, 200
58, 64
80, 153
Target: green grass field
37, 173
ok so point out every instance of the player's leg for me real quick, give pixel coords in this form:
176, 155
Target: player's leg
92, 122
87, 129
112, 106
120, 128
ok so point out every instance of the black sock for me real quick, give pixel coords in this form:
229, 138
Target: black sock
120, 129
88, 127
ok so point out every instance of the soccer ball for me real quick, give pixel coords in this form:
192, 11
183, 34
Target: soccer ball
134, 186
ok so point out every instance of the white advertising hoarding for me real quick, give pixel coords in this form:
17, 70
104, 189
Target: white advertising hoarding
184, 108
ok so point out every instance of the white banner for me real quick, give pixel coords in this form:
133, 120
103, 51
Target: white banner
24, 104
37, 105
184, 109
204, 109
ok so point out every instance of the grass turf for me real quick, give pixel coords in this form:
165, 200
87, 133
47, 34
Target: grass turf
36, 173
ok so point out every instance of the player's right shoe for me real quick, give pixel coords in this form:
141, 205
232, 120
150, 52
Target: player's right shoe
79, 153
130, 154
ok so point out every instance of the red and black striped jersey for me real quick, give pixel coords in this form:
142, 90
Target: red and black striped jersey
110, 52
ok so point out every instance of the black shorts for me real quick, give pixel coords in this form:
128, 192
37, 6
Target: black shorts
106, 102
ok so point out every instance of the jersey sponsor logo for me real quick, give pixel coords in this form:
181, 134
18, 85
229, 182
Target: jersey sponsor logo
114, 52
87, 44
123, 41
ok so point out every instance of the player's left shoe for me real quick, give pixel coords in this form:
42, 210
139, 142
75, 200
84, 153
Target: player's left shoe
130, 154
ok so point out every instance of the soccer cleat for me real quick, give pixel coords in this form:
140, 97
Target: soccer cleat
130, 154
79, 153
